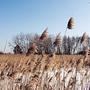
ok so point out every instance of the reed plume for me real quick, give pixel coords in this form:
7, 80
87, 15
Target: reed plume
71, 23
84, 39
58, 40
44, 35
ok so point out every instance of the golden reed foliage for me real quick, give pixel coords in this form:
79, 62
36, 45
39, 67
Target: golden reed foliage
37, 72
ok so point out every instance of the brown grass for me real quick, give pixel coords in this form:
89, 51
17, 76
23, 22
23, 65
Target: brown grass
38, 72
25, 63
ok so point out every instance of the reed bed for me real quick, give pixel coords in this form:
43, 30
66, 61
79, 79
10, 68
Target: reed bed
37, 72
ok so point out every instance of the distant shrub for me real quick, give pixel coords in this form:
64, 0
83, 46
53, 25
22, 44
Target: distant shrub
17, 50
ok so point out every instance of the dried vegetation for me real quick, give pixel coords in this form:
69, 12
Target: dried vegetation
37, 72
46, 71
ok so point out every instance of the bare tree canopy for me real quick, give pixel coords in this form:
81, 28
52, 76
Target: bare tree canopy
30, 42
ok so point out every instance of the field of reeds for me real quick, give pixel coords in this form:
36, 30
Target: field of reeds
47, 64
44, 72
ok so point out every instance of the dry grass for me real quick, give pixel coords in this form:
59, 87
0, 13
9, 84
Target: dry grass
24, 60
37, 72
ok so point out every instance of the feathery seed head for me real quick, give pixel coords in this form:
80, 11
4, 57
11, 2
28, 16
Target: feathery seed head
44, 35
71, 23
84, 39
57, 40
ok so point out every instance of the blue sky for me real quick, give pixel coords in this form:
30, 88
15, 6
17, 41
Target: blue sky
32, 16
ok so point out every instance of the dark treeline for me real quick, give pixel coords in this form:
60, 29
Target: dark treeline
69, 45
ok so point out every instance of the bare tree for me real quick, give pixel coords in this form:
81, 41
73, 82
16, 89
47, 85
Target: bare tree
68, 45
45, 43
24, 41
64, 45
